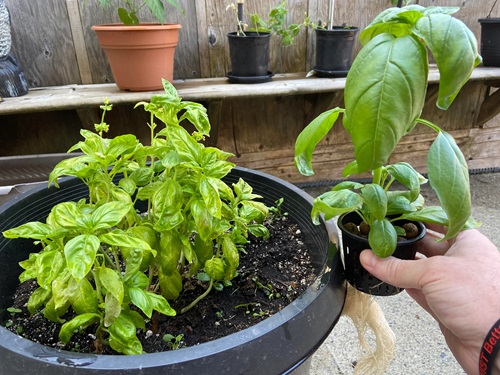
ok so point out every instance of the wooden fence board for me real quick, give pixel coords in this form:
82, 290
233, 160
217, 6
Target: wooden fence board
42, 41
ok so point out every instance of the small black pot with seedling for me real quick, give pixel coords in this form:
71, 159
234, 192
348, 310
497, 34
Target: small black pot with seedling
249, 45
384, 96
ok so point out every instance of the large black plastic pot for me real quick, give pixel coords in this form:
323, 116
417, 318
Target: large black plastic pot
334, 51
490, 41
281, 344
352, 246
249, 56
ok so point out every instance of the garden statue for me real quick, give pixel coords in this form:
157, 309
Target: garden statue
12, 81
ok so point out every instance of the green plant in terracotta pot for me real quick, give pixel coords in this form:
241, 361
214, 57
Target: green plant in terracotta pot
135, 64
249, 44
129, 9
384, 96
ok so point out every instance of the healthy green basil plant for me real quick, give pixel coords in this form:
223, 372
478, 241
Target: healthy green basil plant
128, 12
384, 96
157, 215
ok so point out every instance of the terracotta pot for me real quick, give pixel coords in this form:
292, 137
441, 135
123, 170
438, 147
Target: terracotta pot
140, 56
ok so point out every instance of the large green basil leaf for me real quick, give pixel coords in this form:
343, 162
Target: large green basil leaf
112, 309
82, 296
449, 177
251, 210
217, 169
188, 149
196, 114
202, 219
160, 304
35, 230
142, 176
120, 239
347, 185
48, 264
66, 215
309, 138
211, 197
408, 176
109, 215
111, 281
60, 291
375, 199
231, 257
80, 253
122, 336
395, 21
429, 214
215, 269
395, 81
398, 202
454, 48
382, 238
140, 298
335, 203
170, 284
121, 145
82, 320
37, 299
204, 250
170, 253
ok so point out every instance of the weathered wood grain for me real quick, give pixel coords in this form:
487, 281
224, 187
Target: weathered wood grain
42, 42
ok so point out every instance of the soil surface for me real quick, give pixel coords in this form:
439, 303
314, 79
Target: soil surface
272, 274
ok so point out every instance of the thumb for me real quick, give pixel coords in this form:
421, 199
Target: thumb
394, 271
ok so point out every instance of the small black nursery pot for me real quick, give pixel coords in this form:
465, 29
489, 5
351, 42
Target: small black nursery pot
249, 56
334, 51
353, 245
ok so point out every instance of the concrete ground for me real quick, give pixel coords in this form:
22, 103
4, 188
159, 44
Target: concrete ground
420, 347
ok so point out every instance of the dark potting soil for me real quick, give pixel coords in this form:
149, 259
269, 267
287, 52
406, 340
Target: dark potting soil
272, 274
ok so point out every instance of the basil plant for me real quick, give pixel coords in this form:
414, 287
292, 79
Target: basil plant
114, 264
384, 96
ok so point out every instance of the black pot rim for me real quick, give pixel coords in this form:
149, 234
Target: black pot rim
489, 20
338, 29
249, 34
329, 286
365, 240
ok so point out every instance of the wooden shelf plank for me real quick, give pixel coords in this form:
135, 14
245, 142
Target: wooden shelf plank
201, 90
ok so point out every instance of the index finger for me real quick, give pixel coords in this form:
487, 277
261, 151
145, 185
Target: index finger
394, 271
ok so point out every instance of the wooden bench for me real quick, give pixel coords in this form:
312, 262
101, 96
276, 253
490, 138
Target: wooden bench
214, 90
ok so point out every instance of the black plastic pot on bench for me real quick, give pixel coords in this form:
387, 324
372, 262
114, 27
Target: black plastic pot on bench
249, 56
334, 51
281, 344
490, 41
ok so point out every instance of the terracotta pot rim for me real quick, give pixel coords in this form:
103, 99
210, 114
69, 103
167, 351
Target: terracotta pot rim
142, 26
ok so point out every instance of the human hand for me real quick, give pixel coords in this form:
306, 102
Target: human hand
457, 282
